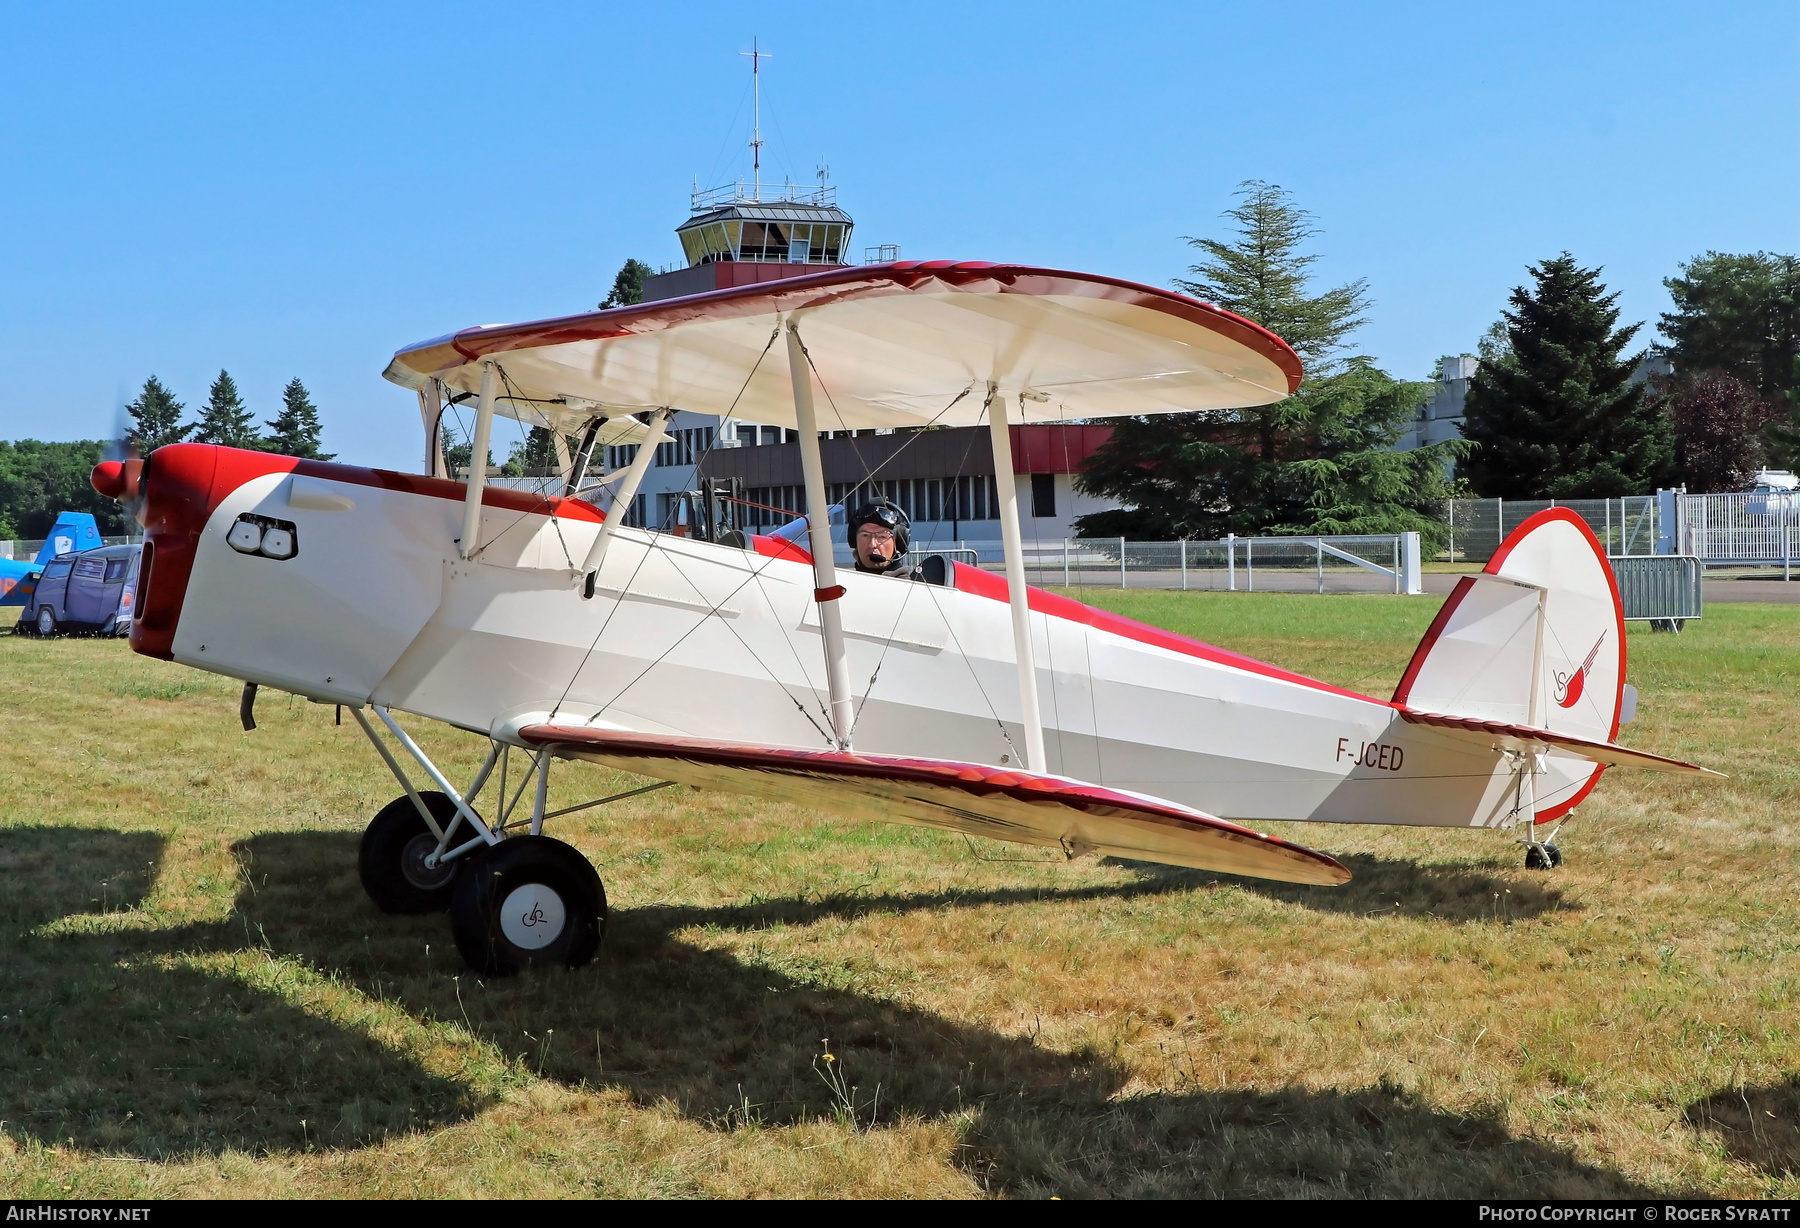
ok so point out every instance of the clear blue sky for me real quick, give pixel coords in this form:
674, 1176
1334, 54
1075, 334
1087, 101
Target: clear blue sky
300, 190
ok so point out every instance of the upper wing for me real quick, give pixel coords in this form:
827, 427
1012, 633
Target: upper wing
985, 801
896, 344
1526, 737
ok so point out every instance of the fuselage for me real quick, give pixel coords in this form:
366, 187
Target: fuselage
374, 603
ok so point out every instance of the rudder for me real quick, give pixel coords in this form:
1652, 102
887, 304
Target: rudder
1538, 639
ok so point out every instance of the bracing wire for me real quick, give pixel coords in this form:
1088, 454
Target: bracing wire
607, 621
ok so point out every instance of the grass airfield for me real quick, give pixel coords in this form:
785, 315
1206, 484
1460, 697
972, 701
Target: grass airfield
196, 999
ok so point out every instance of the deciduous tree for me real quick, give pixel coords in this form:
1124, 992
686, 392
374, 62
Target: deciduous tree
628, 286
534, 454
39, 480
1740, 315
1718, 422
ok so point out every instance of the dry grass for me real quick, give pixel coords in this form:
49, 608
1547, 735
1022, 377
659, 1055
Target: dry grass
196, 999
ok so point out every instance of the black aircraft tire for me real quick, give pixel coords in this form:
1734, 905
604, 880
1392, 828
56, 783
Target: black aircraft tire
1542, 857
528, 902
391, 858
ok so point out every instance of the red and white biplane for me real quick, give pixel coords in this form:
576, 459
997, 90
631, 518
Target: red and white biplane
978, 705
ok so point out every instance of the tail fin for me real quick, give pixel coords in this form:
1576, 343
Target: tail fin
72, 531
1536, 640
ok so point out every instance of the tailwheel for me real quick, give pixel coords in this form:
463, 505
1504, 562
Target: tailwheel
528, 902
1542, 857
391, 860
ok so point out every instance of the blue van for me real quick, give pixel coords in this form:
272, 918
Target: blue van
92, 591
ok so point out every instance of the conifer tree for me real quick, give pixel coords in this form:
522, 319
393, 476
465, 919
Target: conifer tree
295, 430
227, 420
156, 418
1320, 461
533, 455
1556, 416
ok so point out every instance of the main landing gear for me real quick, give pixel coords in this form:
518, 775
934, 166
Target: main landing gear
394, 852
1543, 856
530, 902
517, 899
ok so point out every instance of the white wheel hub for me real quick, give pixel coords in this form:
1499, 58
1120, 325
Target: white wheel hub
533, 917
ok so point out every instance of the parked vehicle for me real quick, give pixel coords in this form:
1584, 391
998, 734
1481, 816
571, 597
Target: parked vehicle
90, 591
1776, 491
72, 531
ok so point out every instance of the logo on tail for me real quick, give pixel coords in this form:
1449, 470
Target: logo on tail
1570, 686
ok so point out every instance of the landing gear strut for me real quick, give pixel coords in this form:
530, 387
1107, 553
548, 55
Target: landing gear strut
517, 898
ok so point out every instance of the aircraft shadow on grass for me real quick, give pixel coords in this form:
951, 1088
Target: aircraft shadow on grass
1453, 893
1758, 1125
101, 1025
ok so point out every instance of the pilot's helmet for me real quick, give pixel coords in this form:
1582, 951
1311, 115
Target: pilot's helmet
883, 512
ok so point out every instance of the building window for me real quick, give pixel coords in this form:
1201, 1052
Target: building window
1043, 494
681, 447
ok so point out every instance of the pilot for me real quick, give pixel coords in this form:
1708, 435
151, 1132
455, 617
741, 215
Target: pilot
879, 539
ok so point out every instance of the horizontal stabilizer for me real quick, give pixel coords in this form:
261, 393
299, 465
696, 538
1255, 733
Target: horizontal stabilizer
1023, 807
1525, 737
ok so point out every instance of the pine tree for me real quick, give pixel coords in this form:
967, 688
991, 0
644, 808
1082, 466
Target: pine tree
1556, 415
295, 430
156, 418
1320, 461
628, 286
227, 420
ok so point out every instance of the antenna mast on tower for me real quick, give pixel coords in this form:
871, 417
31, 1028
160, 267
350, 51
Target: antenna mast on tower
757, 56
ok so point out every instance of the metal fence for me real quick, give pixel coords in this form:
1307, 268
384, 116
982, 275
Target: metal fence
1759, 529
1627, 526
1665, 589
27, 548
1744, 530
1380, 563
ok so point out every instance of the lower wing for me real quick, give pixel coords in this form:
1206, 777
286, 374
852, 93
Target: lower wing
1018, 806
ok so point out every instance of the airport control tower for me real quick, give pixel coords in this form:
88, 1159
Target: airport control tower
751, 231
744, 232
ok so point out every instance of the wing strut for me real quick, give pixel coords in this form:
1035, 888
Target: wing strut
620, 507
1017, 597
484, 426
826, 589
